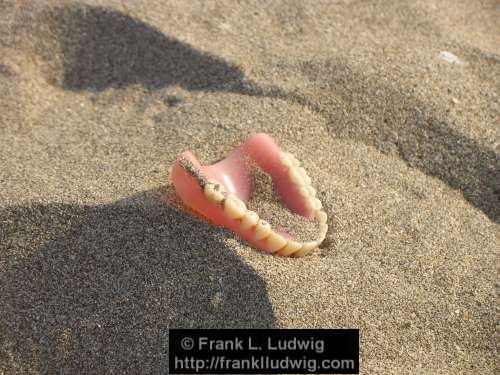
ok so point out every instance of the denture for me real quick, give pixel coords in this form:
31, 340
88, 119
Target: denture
221, 192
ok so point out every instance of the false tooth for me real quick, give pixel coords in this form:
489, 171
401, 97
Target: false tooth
212, 195
304, 192
275, 242
290, 248
285, 160
321, 216
306, 248
218, 196
234, 207
309, 204
262, 230
302, 172
295, 176
312, 191
316, 203
209, 191
213, 181
249, 220
294, 160
214, 191
323, 228
217, 185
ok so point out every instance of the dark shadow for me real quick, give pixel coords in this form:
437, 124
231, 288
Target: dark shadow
94, 48
395, 121
94, 289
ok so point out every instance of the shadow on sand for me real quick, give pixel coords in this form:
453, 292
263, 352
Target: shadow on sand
389, 119
97, 288
94, 48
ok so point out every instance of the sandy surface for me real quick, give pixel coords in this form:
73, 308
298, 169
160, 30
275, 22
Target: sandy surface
98, 98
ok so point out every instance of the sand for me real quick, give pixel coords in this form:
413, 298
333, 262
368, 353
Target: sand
268, 204
99, 97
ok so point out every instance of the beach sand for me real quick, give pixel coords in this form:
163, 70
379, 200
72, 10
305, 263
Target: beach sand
99, 97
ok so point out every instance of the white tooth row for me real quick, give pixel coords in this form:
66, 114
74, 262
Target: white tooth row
235, 209
301, 179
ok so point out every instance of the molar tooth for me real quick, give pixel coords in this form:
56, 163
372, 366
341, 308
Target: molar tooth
321, 216
249, 220
307, 180
214, 191
218, 196
211, 194
234, 207
262, 230
290, 248
275, 242
217, 185
209, 190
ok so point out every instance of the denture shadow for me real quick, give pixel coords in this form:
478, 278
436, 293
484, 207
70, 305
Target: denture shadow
94, 289
94, 48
